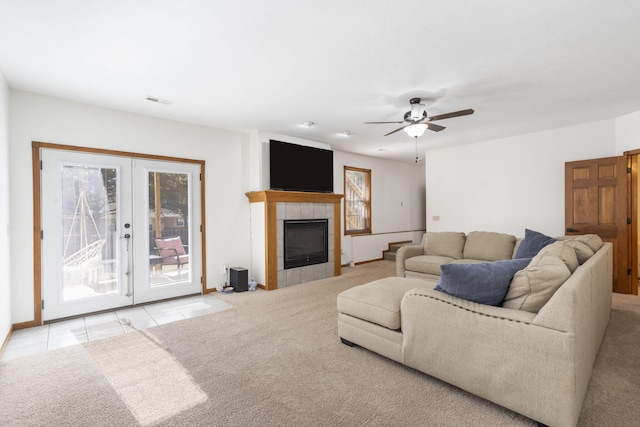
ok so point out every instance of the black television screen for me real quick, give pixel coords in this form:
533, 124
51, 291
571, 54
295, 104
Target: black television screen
296, 167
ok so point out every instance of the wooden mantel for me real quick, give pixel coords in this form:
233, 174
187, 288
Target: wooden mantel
270, 198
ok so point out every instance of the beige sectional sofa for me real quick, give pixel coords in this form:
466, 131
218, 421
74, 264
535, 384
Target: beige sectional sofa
533, 354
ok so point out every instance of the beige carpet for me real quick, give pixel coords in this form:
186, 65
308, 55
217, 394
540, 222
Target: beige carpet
275, 359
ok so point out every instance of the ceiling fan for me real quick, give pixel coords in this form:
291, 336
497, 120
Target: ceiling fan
417, 120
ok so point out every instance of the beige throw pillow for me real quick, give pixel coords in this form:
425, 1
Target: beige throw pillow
532, 287
444, 243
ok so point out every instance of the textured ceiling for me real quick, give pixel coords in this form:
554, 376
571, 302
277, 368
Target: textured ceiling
270, 65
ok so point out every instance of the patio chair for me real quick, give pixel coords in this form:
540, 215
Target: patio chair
172, 252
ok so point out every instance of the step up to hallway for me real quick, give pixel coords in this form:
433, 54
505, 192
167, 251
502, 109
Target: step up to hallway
390, 254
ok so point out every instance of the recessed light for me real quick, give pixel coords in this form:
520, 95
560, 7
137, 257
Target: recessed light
346, 133
306, 124
159, 100
382, 149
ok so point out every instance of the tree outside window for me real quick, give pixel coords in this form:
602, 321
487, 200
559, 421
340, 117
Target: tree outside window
357, 200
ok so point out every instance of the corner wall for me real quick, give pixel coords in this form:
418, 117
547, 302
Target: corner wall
628, 132
397, 204
40, 118
508, 184
5, 264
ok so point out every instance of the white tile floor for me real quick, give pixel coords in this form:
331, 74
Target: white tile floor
28, 341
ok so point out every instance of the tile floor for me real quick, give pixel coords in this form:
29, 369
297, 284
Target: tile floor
28, 341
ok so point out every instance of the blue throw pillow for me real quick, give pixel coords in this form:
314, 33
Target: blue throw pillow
532, 243
484, 283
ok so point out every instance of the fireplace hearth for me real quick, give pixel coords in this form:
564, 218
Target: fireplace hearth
305, 242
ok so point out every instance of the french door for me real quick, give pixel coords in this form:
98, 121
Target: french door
117, 231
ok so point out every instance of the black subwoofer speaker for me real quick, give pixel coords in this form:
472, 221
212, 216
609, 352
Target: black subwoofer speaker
239, 279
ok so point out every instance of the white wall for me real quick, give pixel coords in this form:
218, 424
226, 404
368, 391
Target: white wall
39, 118
397, 204
5, 264
628, 132
508, 184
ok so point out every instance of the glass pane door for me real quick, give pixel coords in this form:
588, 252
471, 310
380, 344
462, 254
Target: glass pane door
84, 258
167, 199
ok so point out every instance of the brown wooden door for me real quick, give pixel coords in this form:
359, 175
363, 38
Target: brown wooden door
596, 202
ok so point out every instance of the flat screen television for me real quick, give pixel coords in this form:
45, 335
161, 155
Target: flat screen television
296, 167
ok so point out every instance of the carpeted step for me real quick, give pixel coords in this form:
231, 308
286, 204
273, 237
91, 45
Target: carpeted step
390, 254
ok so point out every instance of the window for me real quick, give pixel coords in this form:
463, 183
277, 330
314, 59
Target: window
357, 200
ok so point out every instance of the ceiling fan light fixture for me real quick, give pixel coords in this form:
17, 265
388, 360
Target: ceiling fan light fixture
417, 111
416, 130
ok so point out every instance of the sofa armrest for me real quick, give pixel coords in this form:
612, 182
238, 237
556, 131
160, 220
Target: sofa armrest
406, 252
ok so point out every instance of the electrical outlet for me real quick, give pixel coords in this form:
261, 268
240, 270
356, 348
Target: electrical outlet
224, 268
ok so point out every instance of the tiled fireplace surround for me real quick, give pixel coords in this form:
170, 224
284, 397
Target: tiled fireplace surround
285, 205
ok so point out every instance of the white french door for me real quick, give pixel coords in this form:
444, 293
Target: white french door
117, 231
167, 204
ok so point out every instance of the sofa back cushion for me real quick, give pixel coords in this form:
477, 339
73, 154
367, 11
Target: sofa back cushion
444, 243
585, 245
583, 251
489, 246
592, 240
532, 287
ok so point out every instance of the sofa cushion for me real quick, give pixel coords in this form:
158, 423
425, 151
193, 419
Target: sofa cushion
379, 301
532, 243
445, 243
488, 246
583, 251
566, 253
428, 264
517, 246
533, 286
592, 240
467, 261
484, 283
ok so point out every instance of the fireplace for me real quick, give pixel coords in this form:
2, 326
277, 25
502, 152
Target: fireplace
269, 210
305, 242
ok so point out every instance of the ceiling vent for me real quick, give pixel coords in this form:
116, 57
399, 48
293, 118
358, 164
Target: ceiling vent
159, 100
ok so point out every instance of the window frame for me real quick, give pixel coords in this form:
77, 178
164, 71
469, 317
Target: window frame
366, 201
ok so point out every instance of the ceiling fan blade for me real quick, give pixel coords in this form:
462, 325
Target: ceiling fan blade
394, 131
450, 115
434, 127
380, 123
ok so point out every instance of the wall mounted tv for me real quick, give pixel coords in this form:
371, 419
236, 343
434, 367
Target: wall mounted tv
296, 167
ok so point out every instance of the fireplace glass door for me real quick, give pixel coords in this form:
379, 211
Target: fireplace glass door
305, 242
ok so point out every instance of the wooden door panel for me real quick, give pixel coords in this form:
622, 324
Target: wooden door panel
595, 203
607, 206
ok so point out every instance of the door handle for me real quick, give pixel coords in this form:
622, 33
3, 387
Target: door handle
572, 230
128, 271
